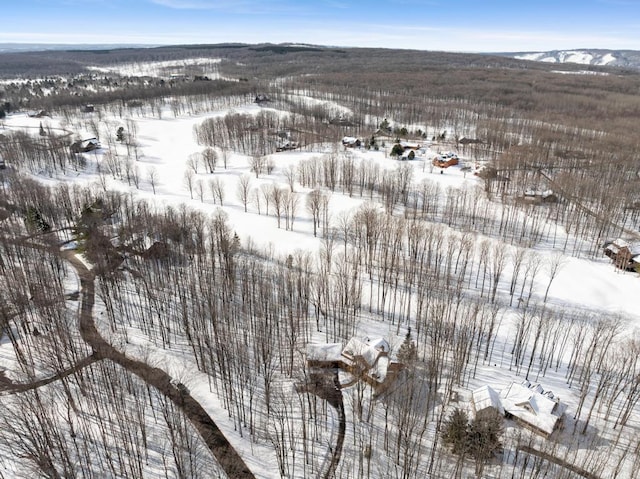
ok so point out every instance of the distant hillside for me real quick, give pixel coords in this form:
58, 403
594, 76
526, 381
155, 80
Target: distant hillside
596, 57
40, 47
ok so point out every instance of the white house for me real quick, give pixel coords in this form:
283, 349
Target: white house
485, 399
367, 359
532, 406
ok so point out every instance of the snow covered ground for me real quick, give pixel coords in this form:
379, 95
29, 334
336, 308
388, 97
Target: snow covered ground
166, 144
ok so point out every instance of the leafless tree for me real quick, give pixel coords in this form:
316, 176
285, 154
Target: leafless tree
554, 264
257, 164
152, 177
210, 158
193, 162
216, 187
244, 189
189, 181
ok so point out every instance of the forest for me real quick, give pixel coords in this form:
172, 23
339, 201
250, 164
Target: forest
183, 290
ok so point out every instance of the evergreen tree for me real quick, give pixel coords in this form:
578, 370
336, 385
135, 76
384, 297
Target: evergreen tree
479, 438
456, 431
35, 221
408, 352
397, 150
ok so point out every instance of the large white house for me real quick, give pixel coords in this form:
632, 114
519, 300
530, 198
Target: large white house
528, 404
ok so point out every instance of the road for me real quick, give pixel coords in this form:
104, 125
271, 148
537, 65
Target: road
222, 450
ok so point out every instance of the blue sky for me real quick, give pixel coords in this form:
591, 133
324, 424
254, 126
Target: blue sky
451, 25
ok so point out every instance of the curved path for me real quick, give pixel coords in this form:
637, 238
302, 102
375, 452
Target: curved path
9, 387
331, 391
217, 443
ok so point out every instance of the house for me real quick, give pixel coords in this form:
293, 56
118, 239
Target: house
485, 399
341, 120
533, 407
369, 360
625, 255
540, 196
324, 355
286, 145
464, 141
285, 142
366, 359
261, 98
410, 145
84, 146
38, 114
351, 142
446, 160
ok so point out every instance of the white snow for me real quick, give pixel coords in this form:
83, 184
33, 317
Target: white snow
165, 145
161, 69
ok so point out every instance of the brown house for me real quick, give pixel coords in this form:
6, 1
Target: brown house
366, 359
624, 255
446, 160
84, 146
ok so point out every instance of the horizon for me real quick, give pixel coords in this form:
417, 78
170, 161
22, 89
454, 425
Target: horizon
46, 46
431, 25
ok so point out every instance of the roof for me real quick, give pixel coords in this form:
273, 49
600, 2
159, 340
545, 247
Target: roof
357, 347
533, 405
373, 351
540, 193
486, 397
324, 352
410, 144
616, 245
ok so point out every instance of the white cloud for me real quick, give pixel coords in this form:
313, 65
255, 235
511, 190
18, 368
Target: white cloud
231, 6
196, 4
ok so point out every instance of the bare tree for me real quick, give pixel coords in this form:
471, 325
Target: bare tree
291, 174
554, 264
152, 176
257, 164
189, 180
216, 187
210, 158
193, 162
314, 203
277, 198
225, 157
244, 188
199, 188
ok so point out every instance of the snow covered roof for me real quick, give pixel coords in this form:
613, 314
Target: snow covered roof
349, 140
540, 193
410, 145
373, 351
533, 405
616, 245
324, 352
486, 397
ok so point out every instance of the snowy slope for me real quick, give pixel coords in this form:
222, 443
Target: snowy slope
596, 57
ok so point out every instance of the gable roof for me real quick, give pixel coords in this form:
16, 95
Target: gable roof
324, 352
531, 404
373, 352
486, 397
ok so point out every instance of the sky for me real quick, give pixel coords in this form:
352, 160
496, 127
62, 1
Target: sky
447, 25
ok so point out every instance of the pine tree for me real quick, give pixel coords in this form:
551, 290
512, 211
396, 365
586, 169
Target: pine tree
456, 431
408, 352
